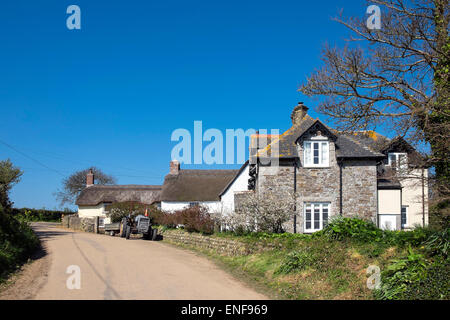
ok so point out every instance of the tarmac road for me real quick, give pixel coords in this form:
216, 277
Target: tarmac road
115, 268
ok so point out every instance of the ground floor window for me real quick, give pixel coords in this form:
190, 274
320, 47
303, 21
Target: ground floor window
404, 216
316, 216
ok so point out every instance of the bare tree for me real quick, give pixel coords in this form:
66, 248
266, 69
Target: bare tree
398, 76
75, 183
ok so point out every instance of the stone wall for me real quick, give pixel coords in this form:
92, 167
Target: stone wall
82, 224
359, 186
220, 245
359, 189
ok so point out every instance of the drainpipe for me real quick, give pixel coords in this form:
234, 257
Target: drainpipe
340, 186
401, 206
423, 198
295, 196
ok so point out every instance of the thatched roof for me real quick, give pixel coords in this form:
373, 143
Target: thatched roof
96, 194
196, 185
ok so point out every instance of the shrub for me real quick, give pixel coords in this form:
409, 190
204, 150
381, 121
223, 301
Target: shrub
415, 277
193, 219
197, 219
404, 238
17, 243
343, 228
400, 274
435, 284
296, 261
266, 213
26, 214
438, 243
266, 235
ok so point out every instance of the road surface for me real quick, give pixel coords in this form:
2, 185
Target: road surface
115, 268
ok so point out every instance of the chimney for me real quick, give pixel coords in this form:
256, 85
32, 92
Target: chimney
299, 113
174, 167
90, 178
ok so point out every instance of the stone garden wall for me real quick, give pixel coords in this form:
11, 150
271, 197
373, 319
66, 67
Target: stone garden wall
220, 245
82, 224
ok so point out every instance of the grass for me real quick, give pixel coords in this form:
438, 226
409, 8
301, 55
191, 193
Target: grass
305, 268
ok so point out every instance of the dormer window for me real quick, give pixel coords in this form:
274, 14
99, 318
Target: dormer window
316, 153
398, 160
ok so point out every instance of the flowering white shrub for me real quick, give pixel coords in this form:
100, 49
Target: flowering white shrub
262, 212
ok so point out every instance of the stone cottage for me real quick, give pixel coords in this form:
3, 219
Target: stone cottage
334, 173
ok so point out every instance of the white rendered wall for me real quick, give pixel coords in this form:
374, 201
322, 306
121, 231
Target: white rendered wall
239, 185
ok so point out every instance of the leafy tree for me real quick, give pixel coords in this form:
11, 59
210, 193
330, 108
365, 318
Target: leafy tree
9, 176
399, 77
75, 183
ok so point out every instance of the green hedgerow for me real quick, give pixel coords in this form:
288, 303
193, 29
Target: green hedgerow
17, 243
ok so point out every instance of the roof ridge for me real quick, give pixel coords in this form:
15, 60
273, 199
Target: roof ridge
125, 186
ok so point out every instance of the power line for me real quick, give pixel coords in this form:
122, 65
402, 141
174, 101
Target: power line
75, 161
31, 158
53, 155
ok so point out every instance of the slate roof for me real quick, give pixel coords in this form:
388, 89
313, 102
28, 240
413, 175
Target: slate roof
97, 194
196, 185
347, 146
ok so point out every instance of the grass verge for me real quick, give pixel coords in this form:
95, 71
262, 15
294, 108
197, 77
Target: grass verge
305, 268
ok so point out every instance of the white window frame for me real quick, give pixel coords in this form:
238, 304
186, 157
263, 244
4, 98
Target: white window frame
312, 206
309, 163
406, 216
397, 159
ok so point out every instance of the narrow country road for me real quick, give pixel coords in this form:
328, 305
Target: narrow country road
115, 268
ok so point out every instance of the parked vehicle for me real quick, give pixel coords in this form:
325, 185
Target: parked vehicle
129, 225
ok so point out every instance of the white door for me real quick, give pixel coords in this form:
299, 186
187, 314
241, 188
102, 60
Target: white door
388, 222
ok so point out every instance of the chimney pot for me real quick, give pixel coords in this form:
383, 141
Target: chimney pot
299, 112
90, 178
174, 167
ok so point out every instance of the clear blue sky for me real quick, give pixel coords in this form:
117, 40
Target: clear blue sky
111, 94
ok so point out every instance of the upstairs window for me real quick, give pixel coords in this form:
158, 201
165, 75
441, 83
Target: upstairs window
398, 160
316, 153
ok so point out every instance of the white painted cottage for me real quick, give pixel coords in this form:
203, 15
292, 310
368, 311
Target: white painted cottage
187, 188
94, 199
237, 185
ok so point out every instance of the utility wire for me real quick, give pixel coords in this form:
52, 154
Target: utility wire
31, 158
74, 161
85, 162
